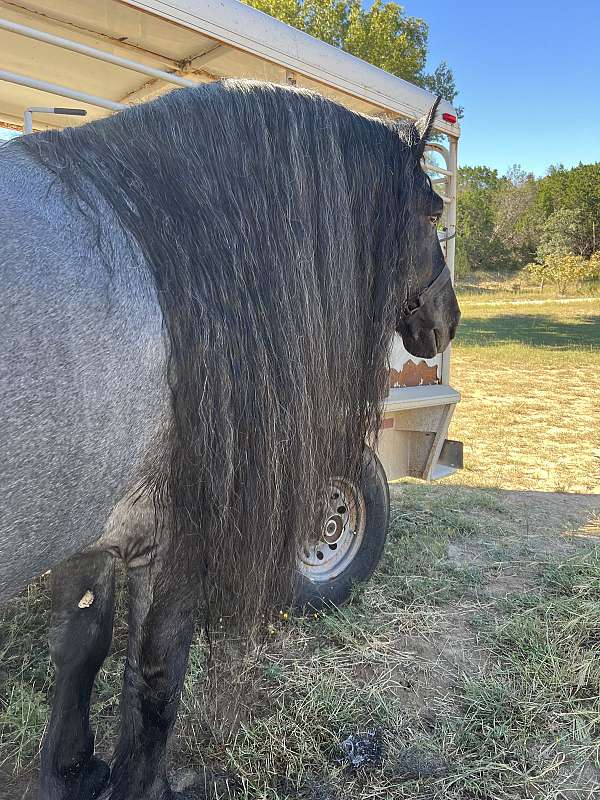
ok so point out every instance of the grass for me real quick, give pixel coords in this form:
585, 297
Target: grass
530, 380
489, 285
474, 651
538, 702
25, 675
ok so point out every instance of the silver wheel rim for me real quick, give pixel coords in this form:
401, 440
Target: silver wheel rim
341, 535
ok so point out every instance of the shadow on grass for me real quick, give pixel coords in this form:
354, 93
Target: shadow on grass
530, 329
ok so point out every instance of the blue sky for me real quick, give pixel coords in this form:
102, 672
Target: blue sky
528, 74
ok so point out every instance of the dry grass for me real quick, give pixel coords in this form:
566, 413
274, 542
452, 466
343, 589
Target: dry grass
530, 379
476, 648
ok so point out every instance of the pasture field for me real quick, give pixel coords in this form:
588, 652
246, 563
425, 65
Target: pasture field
474, 653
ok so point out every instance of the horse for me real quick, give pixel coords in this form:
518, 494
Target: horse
199, 296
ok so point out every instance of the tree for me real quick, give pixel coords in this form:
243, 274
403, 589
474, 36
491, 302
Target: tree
561, 251
441, 82
576, 189
478, 178
491, 234
324, 20
505, 221
383, 35
517, 222
476, 246
562, 233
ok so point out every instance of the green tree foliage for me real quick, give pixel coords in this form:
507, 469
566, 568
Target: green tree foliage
441, 82
563, 232
482, 178
516, 219
477, 247
560, 252
506, 221
494, 225
383, 35
577, 189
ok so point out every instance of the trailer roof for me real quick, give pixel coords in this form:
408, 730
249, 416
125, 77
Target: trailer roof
198, 39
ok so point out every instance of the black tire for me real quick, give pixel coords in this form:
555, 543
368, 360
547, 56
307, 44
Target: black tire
311, 594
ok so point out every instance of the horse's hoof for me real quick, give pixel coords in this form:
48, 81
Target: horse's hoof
90, 782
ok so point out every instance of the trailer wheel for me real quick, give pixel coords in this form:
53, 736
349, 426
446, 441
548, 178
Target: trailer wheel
352, 539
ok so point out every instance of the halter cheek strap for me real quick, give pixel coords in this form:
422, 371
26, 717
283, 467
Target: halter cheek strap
414, 303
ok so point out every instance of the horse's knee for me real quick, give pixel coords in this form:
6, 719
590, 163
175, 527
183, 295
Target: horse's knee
79, 644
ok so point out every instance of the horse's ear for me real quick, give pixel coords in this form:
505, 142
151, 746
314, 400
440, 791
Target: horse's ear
425, 124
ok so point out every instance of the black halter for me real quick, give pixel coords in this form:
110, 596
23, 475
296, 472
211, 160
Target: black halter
414, 303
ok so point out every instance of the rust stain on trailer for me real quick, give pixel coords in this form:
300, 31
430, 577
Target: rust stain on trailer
11, 126
412, 374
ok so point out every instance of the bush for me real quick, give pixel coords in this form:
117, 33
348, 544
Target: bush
594, 266
564, 270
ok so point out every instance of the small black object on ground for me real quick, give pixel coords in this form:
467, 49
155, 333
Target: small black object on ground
364, 749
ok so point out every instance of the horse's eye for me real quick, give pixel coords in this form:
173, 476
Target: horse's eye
435, 219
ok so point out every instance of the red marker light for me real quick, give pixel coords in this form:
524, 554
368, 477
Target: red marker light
449, 118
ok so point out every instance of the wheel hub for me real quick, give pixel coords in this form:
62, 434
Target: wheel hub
341, 535
333, 529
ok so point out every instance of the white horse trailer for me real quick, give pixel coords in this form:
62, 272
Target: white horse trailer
103, 55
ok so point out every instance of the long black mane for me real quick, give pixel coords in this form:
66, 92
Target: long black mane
277, 228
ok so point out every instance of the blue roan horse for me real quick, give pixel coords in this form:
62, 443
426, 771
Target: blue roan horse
198, 301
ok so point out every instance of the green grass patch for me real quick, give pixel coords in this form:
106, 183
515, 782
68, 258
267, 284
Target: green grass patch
581, 332
530, 722
25, 675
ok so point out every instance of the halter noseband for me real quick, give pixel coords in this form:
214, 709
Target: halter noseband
414, 303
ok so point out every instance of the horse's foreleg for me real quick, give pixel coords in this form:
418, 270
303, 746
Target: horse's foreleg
80, 636
161, 624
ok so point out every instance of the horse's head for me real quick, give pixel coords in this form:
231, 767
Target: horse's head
428, 317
